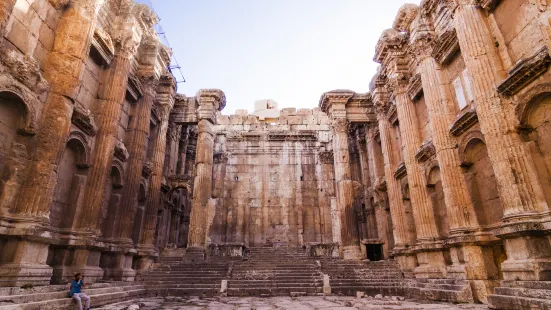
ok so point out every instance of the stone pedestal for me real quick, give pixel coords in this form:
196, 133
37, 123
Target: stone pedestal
118, 266
69, 261
24, 263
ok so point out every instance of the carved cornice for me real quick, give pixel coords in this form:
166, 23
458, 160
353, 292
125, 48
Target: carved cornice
326, 157
147, 169
445, 46
84, 120
525, 72
25, 70
404, 18
391, 39
133, 90
426, 151
120, 151
392, 114
293, 136
489, 4
400, 171
465, 121
415, 89
103, 45
338, 96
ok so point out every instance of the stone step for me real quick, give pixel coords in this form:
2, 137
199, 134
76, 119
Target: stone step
8, 291
272, 291
540, 285
518, 303
184, 292
68, 303
36, 297
369, 290
523, 292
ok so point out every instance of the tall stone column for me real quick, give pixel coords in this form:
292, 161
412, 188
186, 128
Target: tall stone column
210, 101
146, 247
334, 104
519, 188
63, 70
528, 258
6, 8
431, 264
137, 149
404, 257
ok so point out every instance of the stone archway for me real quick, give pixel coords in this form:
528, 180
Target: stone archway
112, 200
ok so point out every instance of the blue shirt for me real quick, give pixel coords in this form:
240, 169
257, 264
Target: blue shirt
75, 287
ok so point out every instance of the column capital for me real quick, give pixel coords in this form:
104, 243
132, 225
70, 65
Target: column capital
210, 101
333, 103
340, 125
422, 37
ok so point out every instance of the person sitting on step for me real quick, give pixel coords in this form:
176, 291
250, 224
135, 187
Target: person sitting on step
76, 285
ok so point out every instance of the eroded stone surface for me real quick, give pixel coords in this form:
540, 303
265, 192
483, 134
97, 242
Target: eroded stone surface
302, 303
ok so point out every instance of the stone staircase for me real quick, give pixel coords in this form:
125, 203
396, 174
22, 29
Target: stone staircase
449, 290
190, 275
350, 276
276, 272
57, 296
522, 295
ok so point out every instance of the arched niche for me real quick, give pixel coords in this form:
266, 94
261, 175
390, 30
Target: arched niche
408, 210
534, 113
78, 142
436, 193
112, 199
26, 104
481, 181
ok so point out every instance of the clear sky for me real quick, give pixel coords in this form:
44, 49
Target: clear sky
290, 51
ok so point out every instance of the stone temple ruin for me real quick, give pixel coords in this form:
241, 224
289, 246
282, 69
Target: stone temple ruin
436, 184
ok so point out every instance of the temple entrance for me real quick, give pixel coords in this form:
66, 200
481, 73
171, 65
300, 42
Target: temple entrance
374, 252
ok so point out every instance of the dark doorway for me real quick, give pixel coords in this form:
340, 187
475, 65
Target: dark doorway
374, 252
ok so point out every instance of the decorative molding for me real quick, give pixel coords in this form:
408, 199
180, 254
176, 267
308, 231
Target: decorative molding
392, 114
78, 142
381, 187
25, 70
426, 151
525, 72
103, 45
84, 120
415, 89
400, 171
489, 5
445, 47
133, 90
293, 136
465, 121
147, 169
120, 151
326, 157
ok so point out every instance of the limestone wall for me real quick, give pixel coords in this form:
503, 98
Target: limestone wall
276, 181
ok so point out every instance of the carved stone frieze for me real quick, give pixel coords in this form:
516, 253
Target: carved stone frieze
425, 152
25, 70
103, 45
326, 157
415, 89
84, 120
525, 72
293, 136
400, 171
445, 47
120, 151
134, 89
465, 121
147, 169
406, 14
392, 114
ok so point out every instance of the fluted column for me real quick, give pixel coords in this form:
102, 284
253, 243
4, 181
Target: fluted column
63, 70
519, 188
210, 100
137, 149
441, 109
110, 104
399, 221
165, 94
6, 8
521, 194
425, 222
